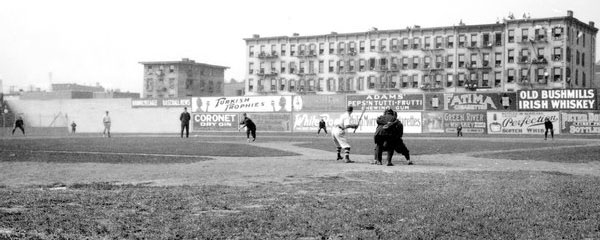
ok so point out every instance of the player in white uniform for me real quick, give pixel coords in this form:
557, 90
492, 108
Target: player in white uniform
339, 133
106, 122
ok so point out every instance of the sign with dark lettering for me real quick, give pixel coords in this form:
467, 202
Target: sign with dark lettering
471, 122
521, 122
580, 122
215, 122
464, 101
169, 102
379, 102
557, 99
245, 104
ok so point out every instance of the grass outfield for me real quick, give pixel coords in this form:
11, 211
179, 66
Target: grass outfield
288, 187
466, 205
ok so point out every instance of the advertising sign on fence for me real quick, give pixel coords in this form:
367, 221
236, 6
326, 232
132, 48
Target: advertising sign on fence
317, 103
215, 122
521, 122
471, 122
271, 122
433, 122
243, 104
309, 121
170, 102
411, 120
557, 99
580, 122
379, 102
467, 101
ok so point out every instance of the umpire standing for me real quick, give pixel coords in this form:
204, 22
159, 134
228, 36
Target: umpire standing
185, 122
386, 136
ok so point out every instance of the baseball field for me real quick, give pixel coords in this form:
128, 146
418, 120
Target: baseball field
289, 186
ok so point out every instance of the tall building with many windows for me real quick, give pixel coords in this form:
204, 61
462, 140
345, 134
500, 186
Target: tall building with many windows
173, 79
555, 52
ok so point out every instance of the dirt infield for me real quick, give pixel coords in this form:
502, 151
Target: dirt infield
309, 164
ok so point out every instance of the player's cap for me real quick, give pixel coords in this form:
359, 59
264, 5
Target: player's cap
349, 108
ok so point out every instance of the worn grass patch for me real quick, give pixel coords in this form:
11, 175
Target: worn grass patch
461, 205
581, 154
437, 146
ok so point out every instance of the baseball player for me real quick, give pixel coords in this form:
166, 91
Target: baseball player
20, 124
339, 133
548, 126
250, 127
322, 125
106, 122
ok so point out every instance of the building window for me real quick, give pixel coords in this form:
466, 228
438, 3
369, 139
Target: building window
283, 47
251, 51
361, 47
498, 59
438, 81
583, 59
292, 49
311, 85
361, 65
461, 60
449, 79
497, 79
524, 35
486, 60
557, 54
473, 62
557, 33
541, 75
427, 42
319, 82
415, 62
395, 44
301, 69
510, 75
382, 45
524, 74
511, 36
301, 85
171, 69
498, 39
404, 43
540, 34
360, 83
342, 48
371, 82
273, 84
351, 66
273, 50
577, 57
438, 61
261, 69
568, 54
449, 61
486, 40
282, 66
349, 84
341, 84
331, 48
462, 39
292, 85
312, 50
372, 64
450, 41
250, 85
404, 79
485, 79
461, 80
426, 62
292, 67
511, 55
250, 68
282, 83
557, 74
473, 40
415, 81
341, 66
405, 63
262, 50
321, 66
321, 48
383, 64
395, 63
331, 66
302, 50
583, 79
416, 42
438, 42
352, 48
311, 67
372, 45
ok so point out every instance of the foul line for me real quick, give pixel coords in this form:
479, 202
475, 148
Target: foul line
114, 153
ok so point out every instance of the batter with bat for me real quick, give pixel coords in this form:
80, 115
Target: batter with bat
338, 133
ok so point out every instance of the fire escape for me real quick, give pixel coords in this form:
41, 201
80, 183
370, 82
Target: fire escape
265, 76
538, 60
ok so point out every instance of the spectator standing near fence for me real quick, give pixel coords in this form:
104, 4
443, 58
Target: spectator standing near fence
73, 127
19, 123
185, 122
549, 127
106, 121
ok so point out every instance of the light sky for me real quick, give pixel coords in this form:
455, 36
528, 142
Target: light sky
90, 41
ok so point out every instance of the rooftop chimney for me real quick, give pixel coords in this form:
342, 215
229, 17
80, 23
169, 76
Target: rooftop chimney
296, 34
255, 36
569, 13
591, 23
